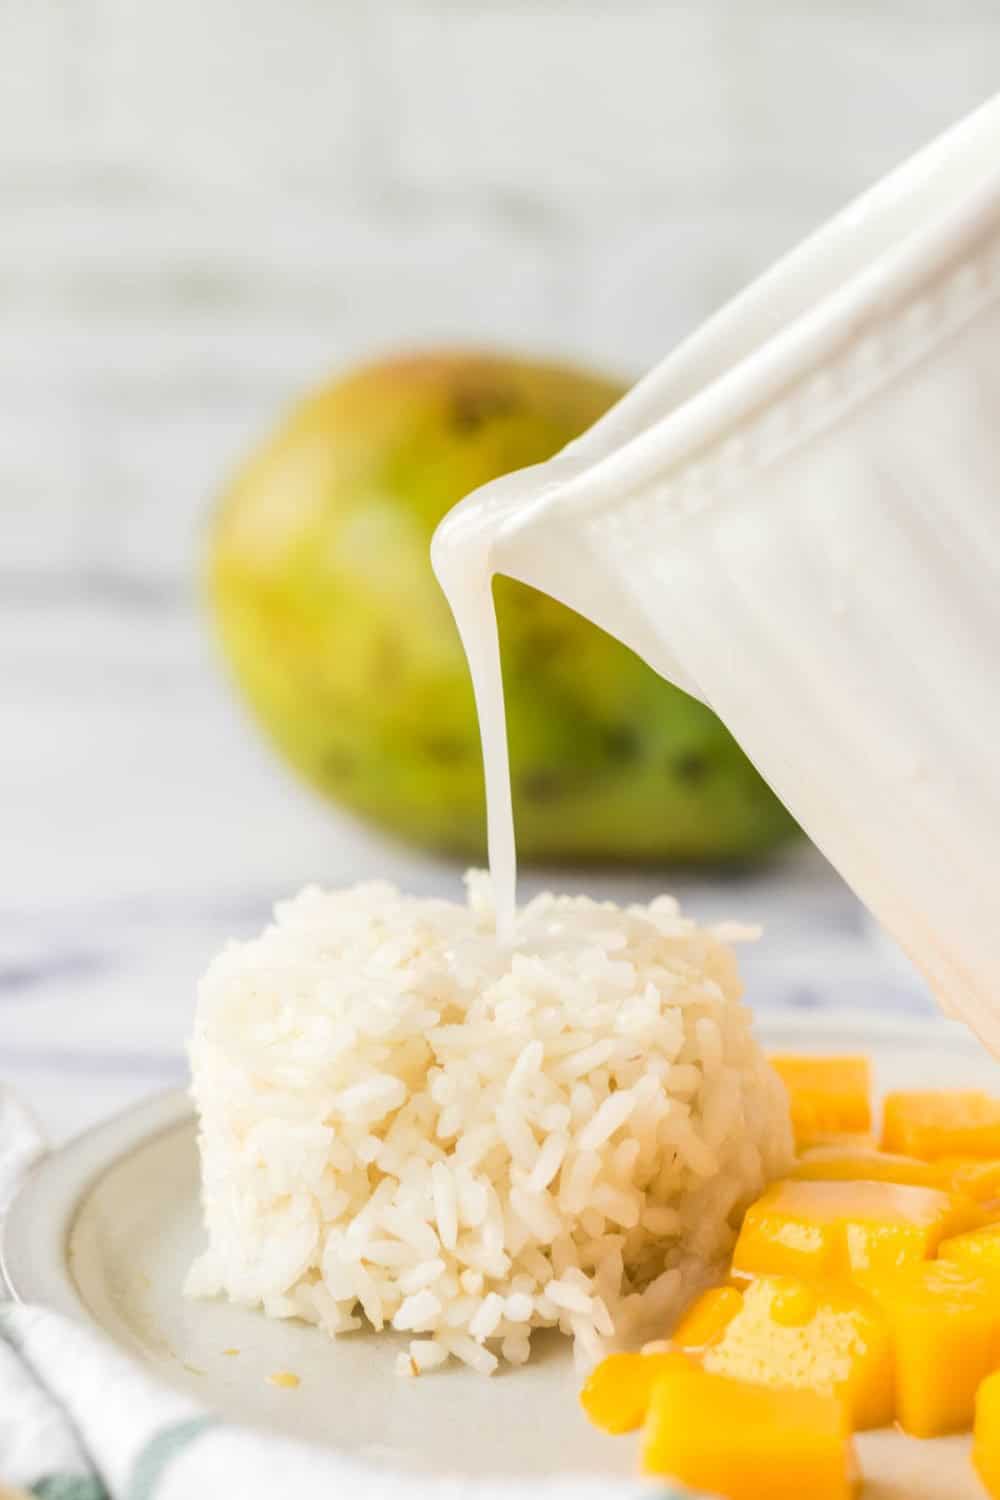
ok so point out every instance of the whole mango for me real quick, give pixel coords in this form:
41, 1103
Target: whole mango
331, 617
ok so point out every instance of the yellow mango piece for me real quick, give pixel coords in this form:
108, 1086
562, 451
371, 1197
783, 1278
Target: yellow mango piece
943, 1322
826, 1095
977, 1251
705, 1320
977, 1179
832, 1229
846, 1140
986, 1434
615, 1395
938, 1123
747, 1442
840, 1164
794, 1302
830, 1339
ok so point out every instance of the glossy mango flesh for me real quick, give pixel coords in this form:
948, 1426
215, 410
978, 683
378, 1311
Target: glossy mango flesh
850, 1164
835, 1229
616, 1393
793, 1335
826, 1095
978, 1250
777, 1332
944, 1322
868, 1278
986, 1434
977, 1179
706, 1320
747, 1442
934, 1123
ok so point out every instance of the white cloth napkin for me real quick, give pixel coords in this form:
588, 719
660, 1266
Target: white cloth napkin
80, 1421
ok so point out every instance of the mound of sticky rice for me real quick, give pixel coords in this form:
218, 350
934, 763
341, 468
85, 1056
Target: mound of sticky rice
404, 1125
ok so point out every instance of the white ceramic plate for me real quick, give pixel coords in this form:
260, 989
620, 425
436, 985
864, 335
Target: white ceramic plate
106, 1228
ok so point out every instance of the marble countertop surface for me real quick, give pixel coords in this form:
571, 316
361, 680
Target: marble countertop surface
144, 823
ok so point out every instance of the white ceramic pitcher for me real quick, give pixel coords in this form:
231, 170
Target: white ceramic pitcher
797, 518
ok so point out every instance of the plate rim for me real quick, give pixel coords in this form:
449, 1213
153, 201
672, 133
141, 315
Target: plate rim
36, 1232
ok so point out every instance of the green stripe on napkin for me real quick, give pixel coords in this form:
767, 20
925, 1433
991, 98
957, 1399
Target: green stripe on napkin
160, 1452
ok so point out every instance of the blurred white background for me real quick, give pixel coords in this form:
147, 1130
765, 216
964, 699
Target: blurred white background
205, 207
208, 204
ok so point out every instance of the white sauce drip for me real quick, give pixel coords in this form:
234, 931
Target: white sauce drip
465, 571
513, 527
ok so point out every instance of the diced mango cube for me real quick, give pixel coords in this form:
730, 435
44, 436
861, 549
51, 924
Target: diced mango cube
977, 1179
826, 1095
840, 1164
790, 1334
986, 1434
944, 1321
745, 1442
977, 1251
705, 1320
846, 1140
615, 1395
942, 1122
835, 1228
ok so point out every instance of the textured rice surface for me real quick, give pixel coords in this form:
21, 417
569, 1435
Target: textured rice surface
405, 1125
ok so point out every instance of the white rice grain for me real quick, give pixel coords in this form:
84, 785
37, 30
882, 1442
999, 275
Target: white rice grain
610, 1117
538, 1212
420, 1311
517, 1308
564, 1294
471, 1353
427, 1354
424, 1273
445, 1204
548, 1162
486, 1318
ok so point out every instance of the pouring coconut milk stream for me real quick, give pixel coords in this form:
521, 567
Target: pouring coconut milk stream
794, 518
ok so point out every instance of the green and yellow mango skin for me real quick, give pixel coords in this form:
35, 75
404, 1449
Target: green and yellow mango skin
321, 585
